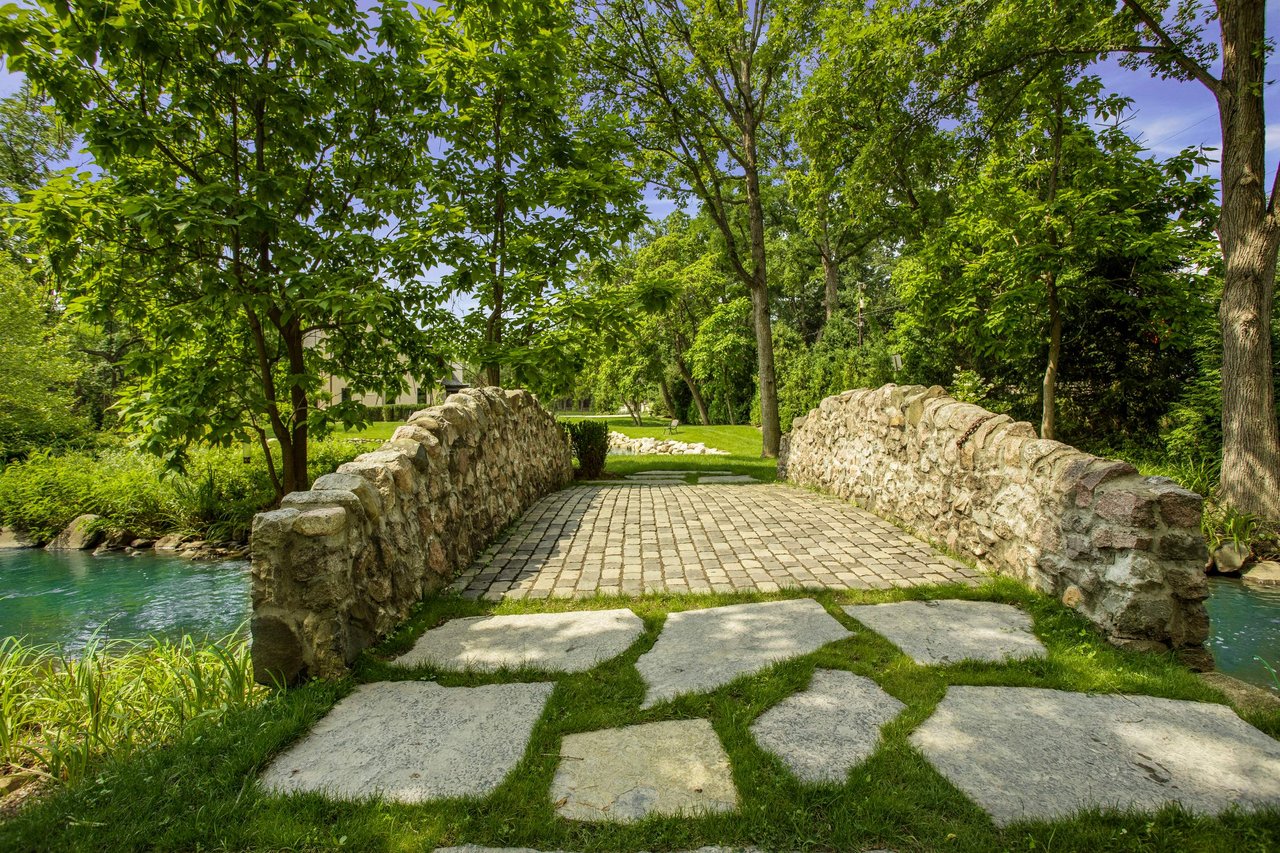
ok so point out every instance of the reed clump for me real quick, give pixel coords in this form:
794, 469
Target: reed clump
60, 714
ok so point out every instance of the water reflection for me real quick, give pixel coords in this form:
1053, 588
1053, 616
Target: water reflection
65, 598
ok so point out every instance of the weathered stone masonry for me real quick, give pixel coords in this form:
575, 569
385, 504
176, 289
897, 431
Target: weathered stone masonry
341, 565
1122, 549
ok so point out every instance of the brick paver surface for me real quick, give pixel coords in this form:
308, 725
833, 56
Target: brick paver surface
714, 538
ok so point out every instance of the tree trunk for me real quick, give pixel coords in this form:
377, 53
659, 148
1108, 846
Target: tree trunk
498, 266
1048, 418
830, 275
666, 396
770, 428
1248, 234
698, 400
294, 463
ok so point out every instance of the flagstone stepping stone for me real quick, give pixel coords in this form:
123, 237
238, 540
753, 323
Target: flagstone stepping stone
411, 741
1027, 753
558, 642
700, 650
640, 475
729, 478
935, 633
827, 730
677, 767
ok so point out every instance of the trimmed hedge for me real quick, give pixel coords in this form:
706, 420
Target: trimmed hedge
394, 412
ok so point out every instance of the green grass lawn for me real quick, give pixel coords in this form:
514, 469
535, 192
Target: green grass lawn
742, 443
200, 794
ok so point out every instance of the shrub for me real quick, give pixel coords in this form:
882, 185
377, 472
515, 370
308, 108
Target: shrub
216, 496
590, 446
393, 412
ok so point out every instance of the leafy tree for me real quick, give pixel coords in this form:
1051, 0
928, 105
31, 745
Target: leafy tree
721, 355
704, 84
1060, 225
525, 191
32, 140
256, 161
36, 403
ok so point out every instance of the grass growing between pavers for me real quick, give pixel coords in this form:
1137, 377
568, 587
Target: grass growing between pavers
201, 793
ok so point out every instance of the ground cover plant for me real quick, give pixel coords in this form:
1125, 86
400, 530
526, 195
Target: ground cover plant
199, 793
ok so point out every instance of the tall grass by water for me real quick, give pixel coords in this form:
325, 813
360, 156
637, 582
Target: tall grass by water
60, 715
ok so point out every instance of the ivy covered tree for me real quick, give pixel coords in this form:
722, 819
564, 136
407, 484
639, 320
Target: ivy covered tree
255, 165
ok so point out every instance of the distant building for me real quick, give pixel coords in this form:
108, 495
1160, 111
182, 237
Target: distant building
426, 393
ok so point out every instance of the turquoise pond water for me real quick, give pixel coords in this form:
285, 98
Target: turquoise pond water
1244, 625
67, 598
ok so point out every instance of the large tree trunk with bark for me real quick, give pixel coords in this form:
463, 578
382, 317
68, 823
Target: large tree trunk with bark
1248, 233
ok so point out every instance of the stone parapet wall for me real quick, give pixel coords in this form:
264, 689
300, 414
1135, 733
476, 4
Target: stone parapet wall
1122, 549
336, 567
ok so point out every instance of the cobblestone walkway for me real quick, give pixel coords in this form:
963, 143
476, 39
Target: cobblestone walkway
631, 539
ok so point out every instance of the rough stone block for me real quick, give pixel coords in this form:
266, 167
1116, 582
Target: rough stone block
325, 521
1126, 507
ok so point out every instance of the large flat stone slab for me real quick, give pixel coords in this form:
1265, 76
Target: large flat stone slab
677, 767
936, 633
1027, 753
558, 642
726, 478
825, 731
412, 741
700, 650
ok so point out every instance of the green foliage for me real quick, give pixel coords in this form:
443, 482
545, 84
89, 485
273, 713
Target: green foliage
529, 193
590, 446
217, 496
252, 161
393, 412
37, 371
62, 717
35, 138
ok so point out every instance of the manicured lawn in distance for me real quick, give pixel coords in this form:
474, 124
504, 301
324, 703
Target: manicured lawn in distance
742, 443
200, 794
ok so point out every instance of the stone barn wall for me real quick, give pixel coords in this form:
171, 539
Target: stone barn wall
338, 566
1122, 549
